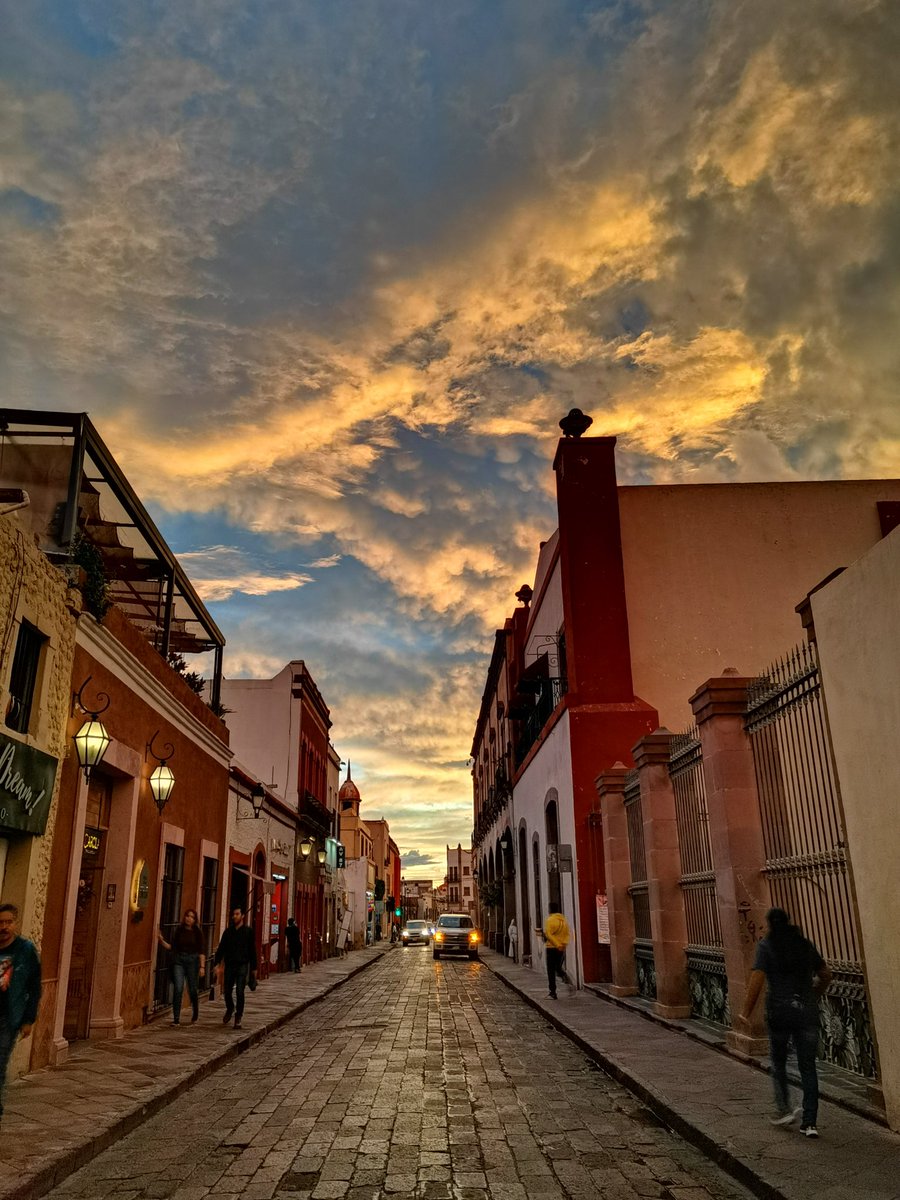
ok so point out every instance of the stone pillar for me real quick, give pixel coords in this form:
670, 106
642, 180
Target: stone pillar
667, 922
735, 833
617, 860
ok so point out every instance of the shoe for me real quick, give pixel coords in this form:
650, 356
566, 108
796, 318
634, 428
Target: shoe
552, 996
228, 1016
809, 1131
573, 990
787, 1118
238, 1025
195, 1017
176, 1022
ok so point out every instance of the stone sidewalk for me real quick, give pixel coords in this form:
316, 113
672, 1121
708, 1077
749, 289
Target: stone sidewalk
56, 1120
719, 1103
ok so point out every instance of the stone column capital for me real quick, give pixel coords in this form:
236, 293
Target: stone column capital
652, 749
721, 696
612, 781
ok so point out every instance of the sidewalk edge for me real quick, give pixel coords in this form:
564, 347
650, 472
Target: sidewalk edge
29, 1187
738, 1168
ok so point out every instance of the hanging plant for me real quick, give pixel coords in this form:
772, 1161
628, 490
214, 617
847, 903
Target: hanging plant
95, 586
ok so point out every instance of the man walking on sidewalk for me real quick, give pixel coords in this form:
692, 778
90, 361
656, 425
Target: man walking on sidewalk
20, 987
556, 938
237, 953
795, 976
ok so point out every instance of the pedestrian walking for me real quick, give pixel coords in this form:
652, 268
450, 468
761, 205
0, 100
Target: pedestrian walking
188, 964
20, 987
294, 945
236, 957
795, 976
556, 939
513, 934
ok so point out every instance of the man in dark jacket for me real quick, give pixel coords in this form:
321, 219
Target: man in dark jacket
20, 986
237, 954
294, 944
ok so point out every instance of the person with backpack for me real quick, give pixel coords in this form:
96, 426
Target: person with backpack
795, 977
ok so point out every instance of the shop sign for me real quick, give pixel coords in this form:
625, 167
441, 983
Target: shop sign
93, 840
279, 846
27, 776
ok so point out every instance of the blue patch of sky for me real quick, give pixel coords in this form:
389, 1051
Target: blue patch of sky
27, 209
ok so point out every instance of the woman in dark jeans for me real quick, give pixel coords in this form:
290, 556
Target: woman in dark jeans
188, 964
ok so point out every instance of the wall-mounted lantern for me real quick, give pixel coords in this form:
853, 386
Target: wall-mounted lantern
162, 779
257, 799
506, 842
91, 740
305, 848
321, 855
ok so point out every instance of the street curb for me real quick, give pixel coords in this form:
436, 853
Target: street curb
738, 1168
69, 1161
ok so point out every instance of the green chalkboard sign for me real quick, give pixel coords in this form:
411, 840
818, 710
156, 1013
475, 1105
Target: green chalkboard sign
27, 777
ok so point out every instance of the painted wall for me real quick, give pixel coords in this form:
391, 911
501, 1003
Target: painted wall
714, 571
264, 728
857, 623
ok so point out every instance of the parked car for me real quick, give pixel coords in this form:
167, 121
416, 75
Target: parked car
415, 931
455, 933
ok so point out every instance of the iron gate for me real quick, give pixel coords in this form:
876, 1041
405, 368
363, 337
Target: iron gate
806, 860
704, 952
638, 889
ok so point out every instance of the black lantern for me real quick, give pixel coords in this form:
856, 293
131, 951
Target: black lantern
162, 778
91, 740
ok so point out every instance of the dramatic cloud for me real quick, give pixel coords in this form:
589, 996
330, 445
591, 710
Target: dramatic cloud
326, 277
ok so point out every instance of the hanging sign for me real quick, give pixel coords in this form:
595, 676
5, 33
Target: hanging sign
602, 919
27, 776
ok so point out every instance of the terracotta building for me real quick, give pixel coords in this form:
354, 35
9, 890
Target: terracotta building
140, 836
638, 594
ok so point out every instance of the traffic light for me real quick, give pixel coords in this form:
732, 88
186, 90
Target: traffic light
379, 889
398, 912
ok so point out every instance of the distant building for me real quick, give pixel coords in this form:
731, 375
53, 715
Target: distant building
460, 885
280, 733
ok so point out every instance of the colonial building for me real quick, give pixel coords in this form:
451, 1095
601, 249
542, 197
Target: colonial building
460, 885
280, 732
359, 872
141, 813
638, 593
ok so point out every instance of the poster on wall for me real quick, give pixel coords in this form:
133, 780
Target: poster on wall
602, 919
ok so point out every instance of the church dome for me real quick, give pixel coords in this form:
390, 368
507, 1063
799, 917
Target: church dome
349, 790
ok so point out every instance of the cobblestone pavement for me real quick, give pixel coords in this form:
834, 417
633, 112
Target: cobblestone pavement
419, 1079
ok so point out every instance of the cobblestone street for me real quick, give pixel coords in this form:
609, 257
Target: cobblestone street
416, 1079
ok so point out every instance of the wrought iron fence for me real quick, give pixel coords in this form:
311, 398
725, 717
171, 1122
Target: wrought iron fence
705, 955
806, 860
638, 889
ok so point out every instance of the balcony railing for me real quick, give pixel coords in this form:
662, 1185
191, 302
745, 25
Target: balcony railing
498, 796
548, 692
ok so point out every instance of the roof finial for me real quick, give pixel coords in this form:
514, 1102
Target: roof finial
348, 770
575, 423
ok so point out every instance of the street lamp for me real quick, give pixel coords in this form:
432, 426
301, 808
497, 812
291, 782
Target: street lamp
91, 740
321, 855
162, 779
506, 842
305, 848
257, 797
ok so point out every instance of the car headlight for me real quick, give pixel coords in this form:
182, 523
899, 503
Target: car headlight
473, 937
439, 937
405, 933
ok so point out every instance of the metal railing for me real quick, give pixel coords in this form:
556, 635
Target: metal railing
705, 955
639, 889
806, 861
549, 690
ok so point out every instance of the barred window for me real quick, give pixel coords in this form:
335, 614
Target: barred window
23, 678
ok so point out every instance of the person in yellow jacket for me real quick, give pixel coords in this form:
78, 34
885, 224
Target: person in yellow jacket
556, 938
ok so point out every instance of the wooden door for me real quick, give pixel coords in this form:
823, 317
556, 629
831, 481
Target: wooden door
87, 911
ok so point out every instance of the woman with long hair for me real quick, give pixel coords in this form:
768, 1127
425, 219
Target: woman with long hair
795, 976
188, 963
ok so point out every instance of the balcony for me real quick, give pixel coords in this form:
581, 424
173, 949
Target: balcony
547, 692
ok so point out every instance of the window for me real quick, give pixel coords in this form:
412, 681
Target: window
23, 677
209, 892
466, 891
465, 870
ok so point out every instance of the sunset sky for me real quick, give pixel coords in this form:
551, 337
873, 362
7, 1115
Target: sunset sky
326, 275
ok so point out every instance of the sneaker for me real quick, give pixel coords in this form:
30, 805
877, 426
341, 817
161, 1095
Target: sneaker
787, 1118
227, 1017
809, 1131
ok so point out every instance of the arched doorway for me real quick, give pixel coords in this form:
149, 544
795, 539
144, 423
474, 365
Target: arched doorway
258, 910
525, 931
536, 872
507, 858
551, 831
